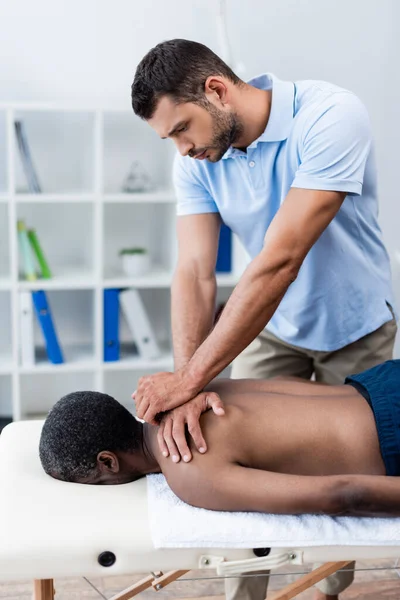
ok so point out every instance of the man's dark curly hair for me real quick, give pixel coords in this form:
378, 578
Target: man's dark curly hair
176, 68
78, 427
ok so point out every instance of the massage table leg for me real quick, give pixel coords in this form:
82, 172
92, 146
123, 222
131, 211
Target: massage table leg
156, 580
134, 589
306, 581
160, 582
43, 589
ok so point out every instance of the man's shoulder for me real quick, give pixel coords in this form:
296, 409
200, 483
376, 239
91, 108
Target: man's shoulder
314, 99
309, 91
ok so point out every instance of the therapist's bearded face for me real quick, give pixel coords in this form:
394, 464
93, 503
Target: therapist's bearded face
199, 131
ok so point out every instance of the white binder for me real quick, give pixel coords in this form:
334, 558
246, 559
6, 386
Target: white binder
138, 321
26, 337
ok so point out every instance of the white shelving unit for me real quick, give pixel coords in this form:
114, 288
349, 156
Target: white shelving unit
83, 219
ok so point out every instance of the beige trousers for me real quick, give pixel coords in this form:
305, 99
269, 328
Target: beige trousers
268, 357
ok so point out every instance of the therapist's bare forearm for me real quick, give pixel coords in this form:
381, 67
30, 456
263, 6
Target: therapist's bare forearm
192, 314
250, 307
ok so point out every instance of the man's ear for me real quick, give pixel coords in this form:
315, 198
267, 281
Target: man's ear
216, 90
107, 462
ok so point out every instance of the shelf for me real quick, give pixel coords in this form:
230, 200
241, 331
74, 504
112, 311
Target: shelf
77, 359
156, 197
74, 279
83, 220
57, 197
157, 278
160, 278
131, 360
227, 279
136, 363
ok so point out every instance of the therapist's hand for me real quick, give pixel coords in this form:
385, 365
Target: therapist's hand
172, 430
160, 393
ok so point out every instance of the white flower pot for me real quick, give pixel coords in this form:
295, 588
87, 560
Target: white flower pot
135, 265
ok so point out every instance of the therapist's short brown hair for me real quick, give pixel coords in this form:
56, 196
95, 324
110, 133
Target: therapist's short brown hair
177, 68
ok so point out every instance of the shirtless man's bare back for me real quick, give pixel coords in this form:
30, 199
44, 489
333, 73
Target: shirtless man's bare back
277, 438
283, 446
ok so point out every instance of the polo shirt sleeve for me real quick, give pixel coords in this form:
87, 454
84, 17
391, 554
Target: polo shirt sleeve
336, 145
192, 195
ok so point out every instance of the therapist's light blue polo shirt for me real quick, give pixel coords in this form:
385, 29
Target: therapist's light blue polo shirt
318, 136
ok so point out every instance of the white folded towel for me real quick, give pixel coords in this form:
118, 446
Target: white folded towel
175, 524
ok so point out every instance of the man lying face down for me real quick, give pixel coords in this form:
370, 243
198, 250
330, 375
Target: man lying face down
283, 446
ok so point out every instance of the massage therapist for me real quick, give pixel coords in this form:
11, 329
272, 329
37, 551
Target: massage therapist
289, 167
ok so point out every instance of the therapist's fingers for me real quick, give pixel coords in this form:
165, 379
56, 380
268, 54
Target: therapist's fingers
142, 407
214, 401
160, 438
149, 413
169, 440
140, 397
178, 433
195, 431
137, 398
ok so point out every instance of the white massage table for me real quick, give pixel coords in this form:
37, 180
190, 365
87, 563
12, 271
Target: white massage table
52, 529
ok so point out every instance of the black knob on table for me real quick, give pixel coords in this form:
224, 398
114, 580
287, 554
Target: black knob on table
106, 559
261, 551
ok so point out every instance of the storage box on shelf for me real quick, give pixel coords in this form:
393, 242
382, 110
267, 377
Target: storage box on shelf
105, 180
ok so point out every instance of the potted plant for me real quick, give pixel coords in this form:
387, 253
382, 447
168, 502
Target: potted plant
135, 261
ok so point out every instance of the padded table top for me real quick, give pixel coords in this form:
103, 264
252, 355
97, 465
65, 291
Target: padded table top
51, 528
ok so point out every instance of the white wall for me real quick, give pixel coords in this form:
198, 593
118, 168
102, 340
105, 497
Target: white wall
77, 51
85, 52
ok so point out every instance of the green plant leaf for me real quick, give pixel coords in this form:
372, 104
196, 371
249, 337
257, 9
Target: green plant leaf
135, 250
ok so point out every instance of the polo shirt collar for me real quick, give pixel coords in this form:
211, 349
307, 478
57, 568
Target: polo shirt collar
282, 111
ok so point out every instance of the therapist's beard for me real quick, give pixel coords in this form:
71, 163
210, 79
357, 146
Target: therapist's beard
226, 131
